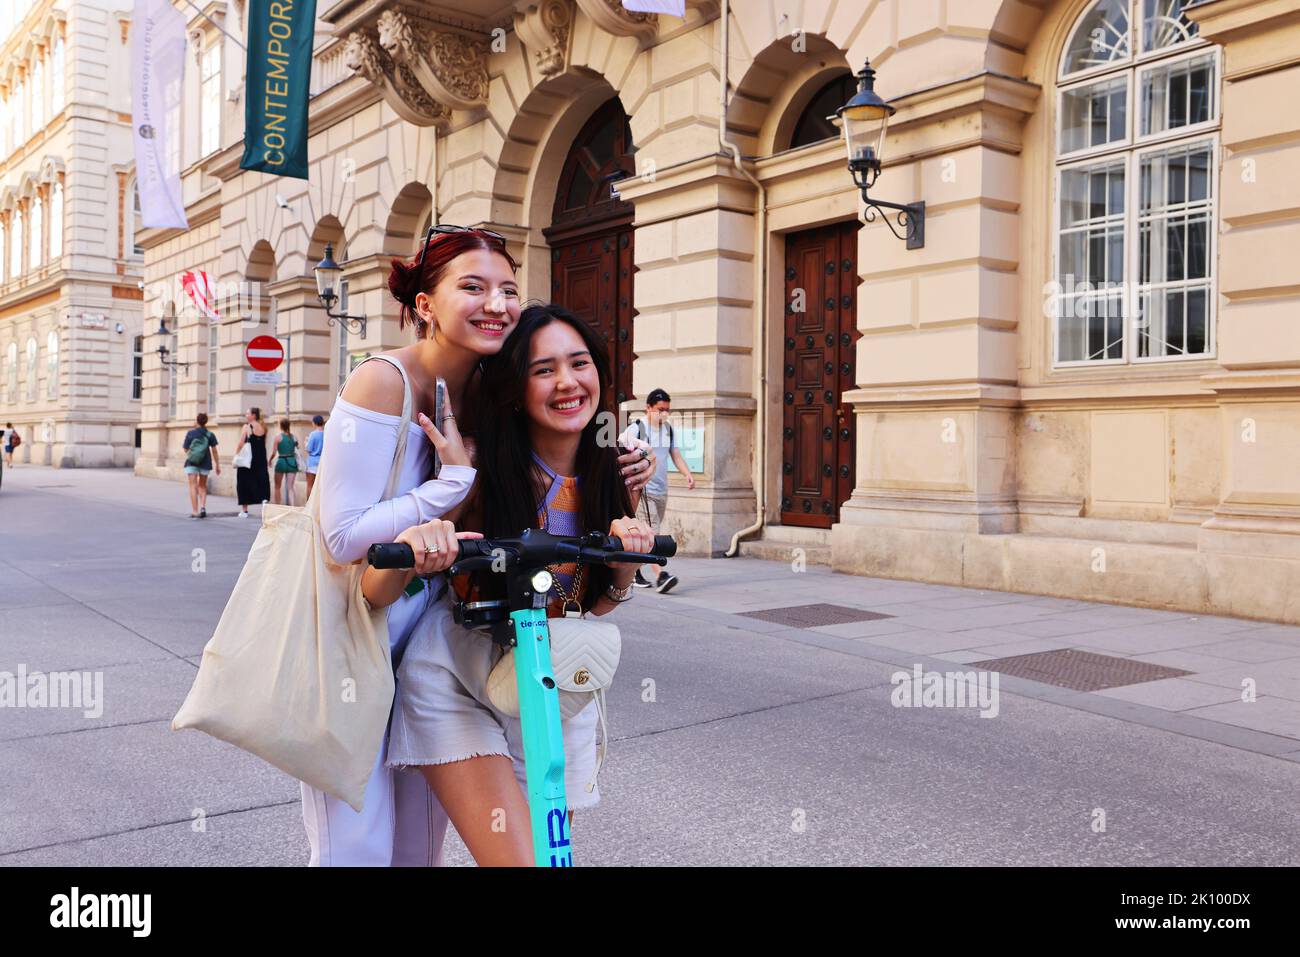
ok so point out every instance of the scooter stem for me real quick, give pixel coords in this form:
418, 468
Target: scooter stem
539, 716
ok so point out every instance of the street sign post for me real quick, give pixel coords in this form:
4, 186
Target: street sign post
264, 353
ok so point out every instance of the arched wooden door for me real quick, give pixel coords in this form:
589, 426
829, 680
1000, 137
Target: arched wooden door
591, 239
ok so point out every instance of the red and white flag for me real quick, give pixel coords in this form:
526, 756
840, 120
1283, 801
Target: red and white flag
676, 8
198, 286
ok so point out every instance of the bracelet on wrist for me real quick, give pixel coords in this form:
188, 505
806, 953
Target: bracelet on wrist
618, 594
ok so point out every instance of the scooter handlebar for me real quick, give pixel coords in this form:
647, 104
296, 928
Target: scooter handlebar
665, 545
391, 555
400, 555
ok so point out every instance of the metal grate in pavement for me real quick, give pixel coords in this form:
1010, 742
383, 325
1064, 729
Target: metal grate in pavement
810, 616
1079, 670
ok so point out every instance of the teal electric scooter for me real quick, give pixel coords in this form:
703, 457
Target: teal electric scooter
519, 622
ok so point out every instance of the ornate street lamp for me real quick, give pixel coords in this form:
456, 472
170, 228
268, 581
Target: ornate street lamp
327, 284
163, 351
865, 119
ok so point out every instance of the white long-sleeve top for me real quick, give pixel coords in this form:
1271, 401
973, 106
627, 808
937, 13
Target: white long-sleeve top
359, 446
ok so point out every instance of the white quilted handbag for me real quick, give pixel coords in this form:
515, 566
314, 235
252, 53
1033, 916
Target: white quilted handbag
584, 657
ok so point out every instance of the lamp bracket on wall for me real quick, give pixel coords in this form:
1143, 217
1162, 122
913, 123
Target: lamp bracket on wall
909, 216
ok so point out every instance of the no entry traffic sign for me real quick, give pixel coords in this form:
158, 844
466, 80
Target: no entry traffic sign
264, 353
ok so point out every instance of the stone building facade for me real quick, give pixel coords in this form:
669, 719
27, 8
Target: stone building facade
70, 271
1086, 383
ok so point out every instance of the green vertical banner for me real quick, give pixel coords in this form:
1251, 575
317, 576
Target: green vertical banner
280, 35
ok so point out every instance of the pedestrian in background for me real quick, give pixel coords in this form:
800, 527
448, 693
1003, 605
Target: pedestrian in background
201, 457
315, 446
252, 481
12, 441
657, 431
285, 460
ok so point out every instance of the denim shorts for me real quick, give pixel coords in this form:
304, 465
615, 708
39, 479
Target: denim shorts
196, 470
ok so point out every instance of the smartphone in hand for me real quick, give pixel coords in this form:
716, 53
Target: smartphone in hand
439, 412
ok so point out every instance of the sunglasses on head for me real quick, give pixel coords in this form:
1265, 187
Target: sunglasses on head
433, 230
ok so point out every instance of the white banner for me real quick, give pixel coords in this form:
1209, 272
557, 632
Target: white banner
676, 8
158, 55
266, 378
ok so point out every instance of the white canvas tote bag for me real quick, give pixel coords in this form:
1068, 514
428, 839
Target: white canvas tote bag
299, 671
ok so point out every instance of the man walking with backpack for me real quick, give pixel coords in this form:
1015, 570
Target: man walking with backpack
657, 431
200, 457
12, 441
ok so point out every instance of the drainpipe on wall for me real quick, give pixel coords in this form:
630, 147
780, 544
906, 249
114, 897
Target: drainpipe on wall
760, 424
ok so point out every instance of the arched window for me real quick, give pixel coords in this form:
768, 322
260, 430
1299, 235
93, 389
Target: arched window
4, 239
16, 245
34, 226
52, 364
5, 147
31, 369
1137, 141
56, 221
813, 126
602, 150
58, 67
11, 373
38, 92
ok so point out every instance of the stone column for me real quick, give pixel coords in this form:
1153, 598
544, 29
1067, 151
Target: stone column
937, 361
1252, 544
153, 397
368, 296
301, 320
694, 335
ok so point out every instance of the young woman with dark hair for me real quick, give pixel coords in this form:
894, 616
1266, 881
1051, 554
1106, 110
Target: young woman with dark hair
546, 459
284, 460
460, 296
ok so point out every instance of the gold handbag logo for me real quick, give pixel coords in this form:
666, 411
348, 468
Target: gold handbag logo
581, 676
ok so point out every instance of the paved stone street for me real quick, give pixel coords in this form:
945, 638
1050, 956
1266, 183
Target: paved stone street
766, 742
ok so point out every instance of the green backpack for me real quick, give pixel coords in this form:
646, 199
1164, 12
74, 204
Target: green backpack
198, 451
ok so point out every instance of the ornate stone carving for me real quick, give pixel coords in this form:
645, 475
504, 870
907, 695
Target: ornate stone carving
461, 65
402, 91
610, 16
361, 55
397, 35
544, 29
451, 67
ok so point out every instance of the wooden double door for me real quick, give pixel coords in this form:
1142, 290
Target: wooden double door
591, 240
592, 278
818, 354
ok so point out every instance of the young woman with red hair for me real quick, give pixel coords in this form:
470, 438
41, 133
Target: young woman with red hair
461, 297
